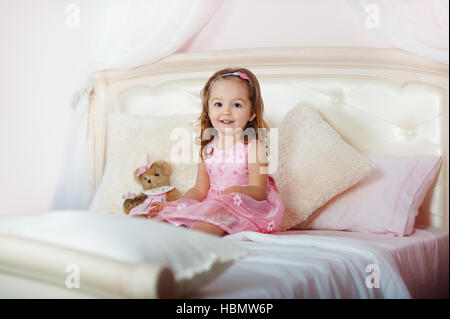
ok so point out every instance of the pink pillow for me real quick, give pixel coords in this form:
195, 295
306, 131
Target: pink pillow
386, 201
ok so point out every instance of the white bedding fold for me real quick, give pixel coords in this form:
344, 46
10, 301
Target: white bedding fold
327, 264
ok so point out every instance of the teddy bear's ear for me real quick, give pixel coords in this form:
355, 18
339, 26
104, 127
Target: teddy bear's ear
136, 177
166, 167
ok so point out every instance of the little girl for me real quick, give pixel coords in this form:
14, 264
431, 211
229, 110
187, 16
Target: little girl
232, 193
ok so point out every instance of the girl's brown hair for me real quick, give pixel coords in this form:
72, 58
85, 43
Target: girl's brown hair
254, 95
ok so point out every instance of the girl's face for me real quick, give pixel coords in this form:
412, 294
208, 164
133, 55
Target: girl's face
229, 101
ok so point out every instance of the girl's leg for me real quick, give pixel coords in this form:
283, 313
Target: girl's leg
209, 228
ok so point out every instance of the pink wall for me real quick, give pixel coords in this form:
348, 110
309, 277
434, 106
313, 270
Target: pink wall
43, 62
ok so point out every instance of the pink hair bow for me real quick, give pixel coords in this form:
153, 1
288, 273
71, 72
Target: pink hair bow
237, 73
145, 167
241, 75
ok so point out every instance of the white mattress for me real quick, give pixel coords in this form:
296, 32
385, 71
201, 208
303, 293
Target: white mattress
332, 264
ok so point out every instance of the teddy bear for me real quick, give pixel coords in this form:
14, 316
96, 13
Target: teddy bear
155, 180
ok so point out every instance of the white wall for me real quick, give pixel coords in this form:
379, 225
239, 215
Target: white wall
275, 23
43, 62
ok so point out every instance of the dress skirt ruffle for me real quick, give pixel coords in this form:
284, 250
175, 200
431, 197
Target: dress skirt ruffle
233, 212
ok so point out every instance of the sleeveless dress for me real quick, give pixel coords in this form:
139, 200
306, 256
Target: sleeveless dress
234, 212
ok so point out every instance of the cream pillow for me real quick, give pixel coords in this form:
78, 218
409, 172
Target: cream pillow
130, 138
314, 164
195, 258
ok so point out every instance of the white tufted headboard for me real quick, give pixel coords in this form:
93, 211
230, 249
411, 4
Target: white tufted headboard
380, 100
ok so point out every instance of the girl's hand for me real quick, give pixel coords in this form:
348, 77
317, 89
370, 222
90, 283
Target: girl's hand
155, 208
228, 190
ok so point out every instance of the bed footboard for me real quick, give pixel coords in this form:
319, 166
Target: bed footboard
89, 274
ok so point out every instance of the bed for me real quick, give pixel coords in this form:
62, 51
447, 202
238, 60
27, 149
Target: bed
292, 263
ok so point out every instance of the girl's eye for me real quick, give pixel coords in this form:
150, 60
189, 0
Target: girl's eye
215, 104
238, 104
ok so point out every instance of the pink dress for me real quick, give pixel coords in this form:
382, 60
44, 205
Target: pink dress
233, 212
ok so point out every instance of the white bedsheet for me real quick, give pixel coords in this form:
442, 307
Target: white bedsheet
332, 264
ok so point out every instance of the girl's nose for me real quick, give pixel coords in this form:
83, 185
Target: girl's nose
226, 110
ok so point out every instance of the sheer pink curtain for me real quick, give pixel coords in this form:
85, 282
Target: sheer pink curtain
129, 34
417, 26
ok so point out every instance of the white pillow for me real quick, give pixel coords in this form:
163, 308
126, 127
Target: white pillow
314, 164
130, 138
195, 258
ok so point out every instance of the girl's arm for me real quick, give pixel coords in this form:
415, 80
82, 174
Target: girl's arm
201, 187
